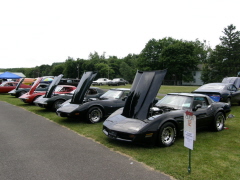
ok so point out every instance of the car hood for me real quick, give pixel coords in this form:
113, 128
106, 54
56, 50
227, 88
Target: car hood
34, 86
142, 94
121, 123
207, 91
19, 83
53, 85
82, 87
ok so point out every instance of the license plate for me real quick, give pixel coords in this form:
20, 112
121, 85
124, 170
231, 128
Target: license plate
112, 134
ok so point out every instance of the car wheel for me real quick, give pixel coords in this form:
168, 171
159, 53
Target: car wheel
229, 101
94, 114
167, 134
57, 104
100, 84
21, 93
219, 120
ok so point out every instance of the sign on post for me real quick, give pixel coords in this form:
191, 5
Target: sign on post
189, 129
189, 133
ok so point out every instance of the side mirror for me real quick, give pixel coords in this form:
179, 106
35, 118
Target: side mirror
196, 107
124, 98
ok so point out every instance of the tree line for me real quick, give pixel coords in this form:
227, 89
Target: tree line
180, 57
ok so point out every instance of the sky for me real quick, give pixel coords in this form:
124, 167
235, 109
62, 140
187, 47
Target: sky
37, 32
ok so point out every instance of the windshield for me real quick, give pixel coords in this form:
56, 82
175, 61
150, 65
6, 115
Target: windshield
3, 83
9, 84
176, 102
58, 88
116, 94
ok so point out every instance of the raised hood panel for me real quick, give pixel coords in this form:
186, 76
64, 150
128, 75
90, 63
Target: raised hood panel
82, 87
34, 86
19, 83
53, 85
142, 94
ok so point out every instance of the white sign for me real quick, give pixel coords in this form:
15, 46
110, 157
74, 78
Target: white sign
188, 140
189, 129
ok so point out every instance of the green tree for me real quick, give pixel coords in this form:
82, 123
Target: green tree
150, 56
57, 69
70, 68
224, 60
180, 60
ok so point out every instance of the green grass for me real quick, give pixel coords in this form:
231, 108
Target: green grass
216, 155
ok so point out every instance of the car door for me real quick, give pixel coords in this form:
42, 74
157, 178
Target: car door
204, 114
235, 93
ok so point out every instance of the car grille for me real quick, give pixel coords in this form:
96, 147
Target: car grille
117, 135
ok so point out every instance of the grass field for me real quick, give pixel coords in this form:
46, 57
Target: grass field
216, 155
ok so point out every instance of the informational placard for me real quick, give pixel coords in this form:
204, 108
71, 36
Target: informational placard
189, 129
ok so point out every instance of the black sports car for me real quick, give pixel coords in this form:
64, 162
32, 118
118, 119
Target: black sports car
138, 122
223, 92
54, 102
92, 109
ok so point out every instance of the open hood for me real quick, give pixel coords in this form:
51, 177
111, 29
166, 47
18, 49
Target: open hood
82, 87
34, 86
142, 94
19, 83
52, 86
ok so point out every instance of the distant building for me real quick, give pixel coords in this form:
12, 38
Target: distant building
197, 78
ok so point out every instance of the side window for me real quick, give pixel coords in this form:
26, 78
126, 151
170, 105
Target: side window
202, 101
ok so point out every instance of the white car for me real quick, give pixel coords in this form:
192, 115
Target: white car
101, 81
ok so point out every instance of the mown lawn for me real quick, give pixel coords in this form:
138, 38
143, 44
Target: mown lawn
216, 155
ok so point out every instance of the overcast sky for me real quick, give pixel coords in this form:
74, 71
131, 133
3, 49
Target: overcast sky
33, 33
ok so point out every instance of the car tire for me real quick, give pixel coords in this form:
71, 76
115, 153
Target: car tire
21, 93
167, 134
57, 104
94, 114
219, 121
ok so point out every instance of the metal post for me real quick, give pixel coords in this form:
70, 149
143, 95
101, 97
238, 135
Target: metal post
189, 161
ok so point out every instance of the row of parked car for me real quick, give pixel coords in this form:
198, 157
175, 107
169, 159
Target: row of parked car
132, 115
114, 82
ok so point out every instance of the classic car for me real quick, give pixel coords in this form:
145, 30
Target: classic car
223, 92
54, 102
140, 122
32, 95
117, 82
101, 81
17, 92
7, 86
92, 109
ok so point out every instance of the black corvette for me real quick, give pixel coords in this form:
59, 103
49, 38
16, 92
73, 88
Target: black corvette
139, 122
54, 102
92, 109
223, 92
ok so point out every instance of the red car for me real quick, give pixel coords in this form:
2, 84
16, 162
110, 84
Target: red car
32, 95
7, 86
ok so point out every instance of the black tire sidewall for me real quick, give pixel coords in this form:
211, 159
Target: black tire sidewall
159, 140
90, 111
